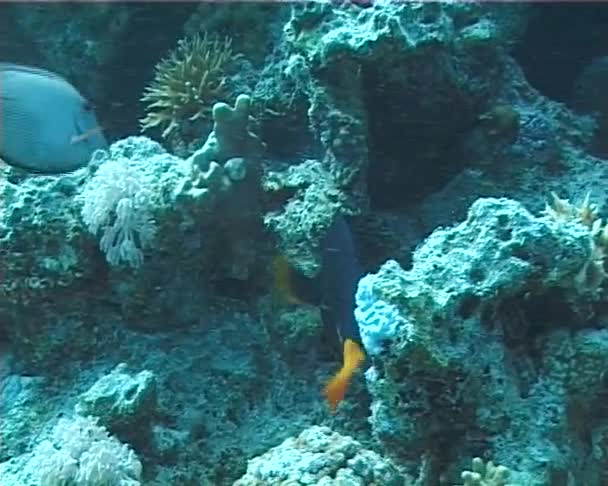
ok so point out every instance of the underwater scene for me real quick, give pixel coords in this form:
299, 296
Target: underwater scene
328, 243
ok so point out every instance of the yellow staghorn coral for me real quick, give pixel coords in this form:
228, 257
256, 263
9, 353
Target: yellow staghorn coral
563, 210
586, 213
187, 83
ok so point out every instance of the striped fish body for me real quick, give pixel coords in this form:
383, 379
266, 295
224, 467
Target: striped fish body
46, 125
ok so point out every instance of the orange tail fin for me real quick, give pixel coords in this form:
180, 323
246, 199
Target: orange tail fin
336, 387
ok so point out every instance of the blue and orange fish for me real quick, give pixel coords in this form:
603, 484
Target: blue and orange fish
338, 279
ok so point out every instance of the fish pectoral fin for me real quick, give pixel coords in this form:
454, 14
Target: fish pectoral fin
282, 281
291, 286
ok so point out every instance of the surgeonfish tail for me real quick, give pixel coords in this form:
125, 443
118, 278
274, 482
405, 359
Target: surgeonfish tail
336, 387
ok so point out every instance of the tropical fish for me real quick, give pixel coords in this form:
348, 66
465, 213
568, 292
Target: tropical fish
340, 274
337, 285
46, 125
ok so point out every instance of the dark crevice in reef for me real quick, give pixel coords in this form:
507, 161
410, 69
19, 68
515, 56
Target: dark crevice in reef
4, 337
523, 319
287, 135
15, 46
524, 322
560, 41
414, 133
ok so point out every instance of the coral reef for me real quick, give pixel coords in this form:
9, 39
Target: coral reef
118, 200
19, 396
66, 300
231, 137
145, 203
308, 200
472, 309
368, 63
486, 474
78, 452
77, 32
120, 401
140, 339
322, 457
187, 84
293, 331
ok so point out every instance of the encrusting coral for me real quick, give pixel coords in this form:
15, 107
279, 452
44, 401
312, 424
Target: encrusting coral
187, 83
321, 457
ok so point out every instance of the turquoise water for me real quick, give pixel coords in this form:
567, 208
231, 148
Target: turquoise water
309, 243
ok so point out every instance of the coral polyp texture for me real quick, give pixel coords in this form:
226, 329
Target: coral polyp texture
118, 201
321, 457
82, 453
187, 83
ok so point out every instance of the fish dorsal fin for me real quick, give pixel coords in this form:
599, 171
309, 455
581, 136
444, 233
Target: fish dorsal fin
39, 73
18, 74
9, 66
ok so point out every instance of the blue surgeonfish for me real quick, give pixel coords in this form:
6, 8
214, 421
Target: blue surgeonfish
46, 125
336, 288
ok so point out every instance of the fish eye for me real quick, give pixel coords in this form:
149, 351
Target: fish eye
88, 106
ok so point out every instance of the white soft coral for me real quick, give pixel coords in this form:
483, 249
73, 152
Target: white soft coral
82, 453
118, 201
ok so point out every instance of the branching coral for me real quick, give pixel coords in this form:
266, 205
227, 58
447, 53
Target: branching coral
563, 210
187, 83
118, 201
585, 213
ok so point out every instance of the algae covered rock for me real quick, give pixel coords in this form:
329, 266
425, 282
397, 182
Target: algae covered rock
120, 400
474, 296
308, 200
77, 247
